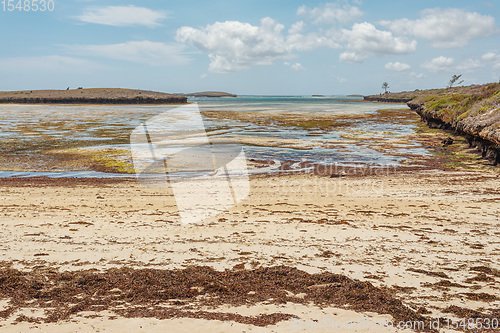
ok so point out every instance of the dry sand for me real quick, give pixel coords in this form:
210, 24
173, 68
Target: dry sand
429, 238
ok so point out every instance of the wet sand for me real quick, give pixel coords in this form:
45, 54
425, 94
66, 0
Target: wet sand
391, 245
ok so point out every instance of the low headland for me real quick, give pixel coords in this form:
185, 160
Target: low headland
90, 96
472, 111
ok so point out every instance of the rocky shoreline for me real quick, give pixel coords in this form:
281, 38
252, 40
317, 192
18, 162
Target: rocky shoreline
90, 96
472, 111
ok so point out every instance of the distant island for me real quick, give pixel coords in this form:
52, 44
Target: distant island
90, 96
210, 94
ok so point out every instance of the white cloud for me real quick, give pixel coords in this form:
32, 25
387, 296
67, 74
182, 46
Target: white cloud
448, 64
492, 59
439, 64
296, 28
365, 39
146, 52
490, 56
310, 41
233, 45
470, 64
417, 75
297, 67
397, 66
330, 13
48, 63
352, 57
123, 16
445, 28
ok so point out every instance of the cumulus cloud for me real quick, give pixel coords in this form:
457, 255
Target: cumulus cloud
492, 59
352, 57
397, 66
123, 16
233, 45
297, 67
310, 41
470, 64
490, 56
330, 13
445, 28
416, 75
439, 64
146, 52
365, 39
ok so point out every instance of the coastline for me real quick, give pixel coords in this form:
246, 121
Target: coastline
470, 111
376, 245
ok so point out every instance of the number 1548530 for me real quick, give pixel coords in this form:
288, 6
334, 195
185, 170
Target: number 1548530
27, 5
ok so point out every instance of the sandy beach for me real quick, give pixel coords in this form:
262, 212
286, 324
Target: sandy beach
250, 167
426, 240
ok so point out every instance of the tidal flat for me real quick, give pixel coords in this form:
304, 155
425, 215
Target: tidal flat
62, 138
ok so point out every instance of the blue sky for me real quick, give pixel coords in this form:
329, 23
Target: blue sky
273, 47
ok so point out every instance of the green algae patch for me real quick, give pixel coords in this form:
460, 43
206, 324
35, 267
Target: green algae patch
113, 161
424, 128
108, 160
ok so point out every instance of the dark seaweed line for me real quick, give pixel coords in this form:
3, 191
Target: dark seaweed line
147, 289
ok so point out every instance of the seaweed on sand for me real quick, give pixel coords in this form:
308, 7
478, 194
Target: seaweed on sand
180, 293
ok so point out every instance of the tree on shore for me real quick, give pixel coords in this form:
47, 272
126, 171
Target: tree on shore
454, 80
385, 86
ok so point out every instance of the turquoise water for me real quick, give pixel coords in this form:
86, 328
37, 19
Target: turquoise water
35, 129
292, 104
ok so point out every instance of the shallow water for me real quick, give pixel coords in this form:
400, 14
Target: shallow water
38, 130
317, 138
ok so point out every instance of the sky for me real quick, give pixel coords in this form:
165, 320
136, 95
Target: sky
271, 47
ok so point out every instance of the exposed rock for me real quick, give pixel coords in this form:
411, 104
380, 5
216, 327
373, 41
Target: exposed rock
90, 96
387, 99
448, 141
473, 112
